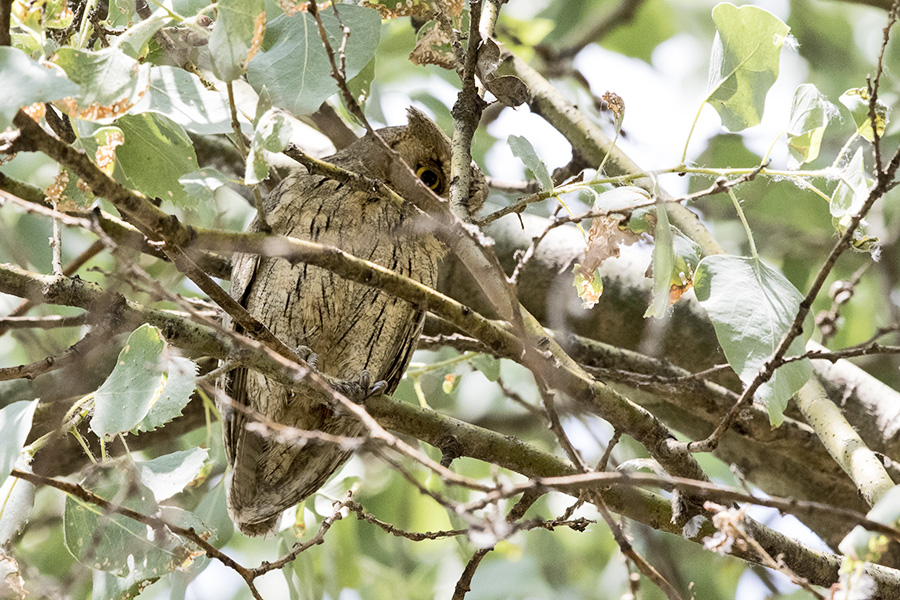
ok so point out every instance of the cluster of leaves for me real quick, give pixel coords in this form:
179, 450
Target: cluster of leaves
135, 111
148, 387
743, 67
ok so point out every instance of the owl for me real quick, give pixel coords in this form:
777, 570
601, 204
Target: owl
353, 332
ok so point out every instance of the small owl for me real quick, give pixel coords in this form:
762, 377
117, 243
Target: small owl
349, 328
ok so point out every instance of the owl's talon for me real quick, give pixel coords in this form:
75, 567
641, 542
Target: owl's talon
311, 358
364, 380
377, 388
367, 389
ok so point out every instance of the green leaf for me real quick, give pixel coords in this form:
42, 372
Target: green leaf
156, 153
26, 82
488, 365
213, 511
360, 85
167, 475
110, 80
619, 199
146, 389
295, 68
183, 98
847, 200
121, 13
524, 151
180, 382
112, 542
273, 133
744, 62
201, 185
134, 385
263, 105
55, 14
589, 289
687, 254
15, 423
809, 118
231, 44
134, 39
638, 221
663, 263
16, 502
857, 102
852, 188
752, 306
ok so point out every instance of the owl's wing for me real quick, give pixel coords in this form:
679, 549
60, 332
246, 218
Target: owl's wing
404, 353
243, 275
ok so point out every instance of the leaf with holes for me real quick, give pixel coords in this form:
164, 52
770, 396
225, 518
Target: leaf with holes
26, 82
236, 37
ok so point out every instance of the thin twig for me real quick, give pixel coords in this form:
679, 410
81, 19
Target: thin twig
646, 569
319, 538
48, 322
72, 355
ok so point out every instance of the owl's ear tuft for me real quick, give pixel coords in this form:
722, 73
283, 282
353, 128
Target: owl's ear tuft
413, 114
423, 128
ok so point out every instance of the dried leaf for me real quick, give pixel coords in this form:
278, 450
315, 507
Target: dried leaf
393, 10
604, 240
433, 47
108, 139
12, 586
55, 189
508, 89
615, 103
36, 111
259, 32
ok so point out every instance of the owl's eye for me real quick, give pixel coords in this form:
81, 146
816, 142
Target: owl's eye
431, 177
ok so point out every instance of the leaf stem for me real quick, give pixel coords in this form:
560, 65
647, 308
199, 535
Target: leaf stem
82, 40
441, 364
84, 444
844, 149
740, 212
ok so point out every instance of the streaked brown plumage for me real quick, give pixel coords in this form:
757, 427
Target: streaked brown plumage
350, 327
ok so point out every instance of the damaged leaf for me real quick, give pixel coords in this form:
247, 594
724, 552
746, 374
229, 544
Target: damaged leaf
508, 89
111, 82
857, 102
809, 118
